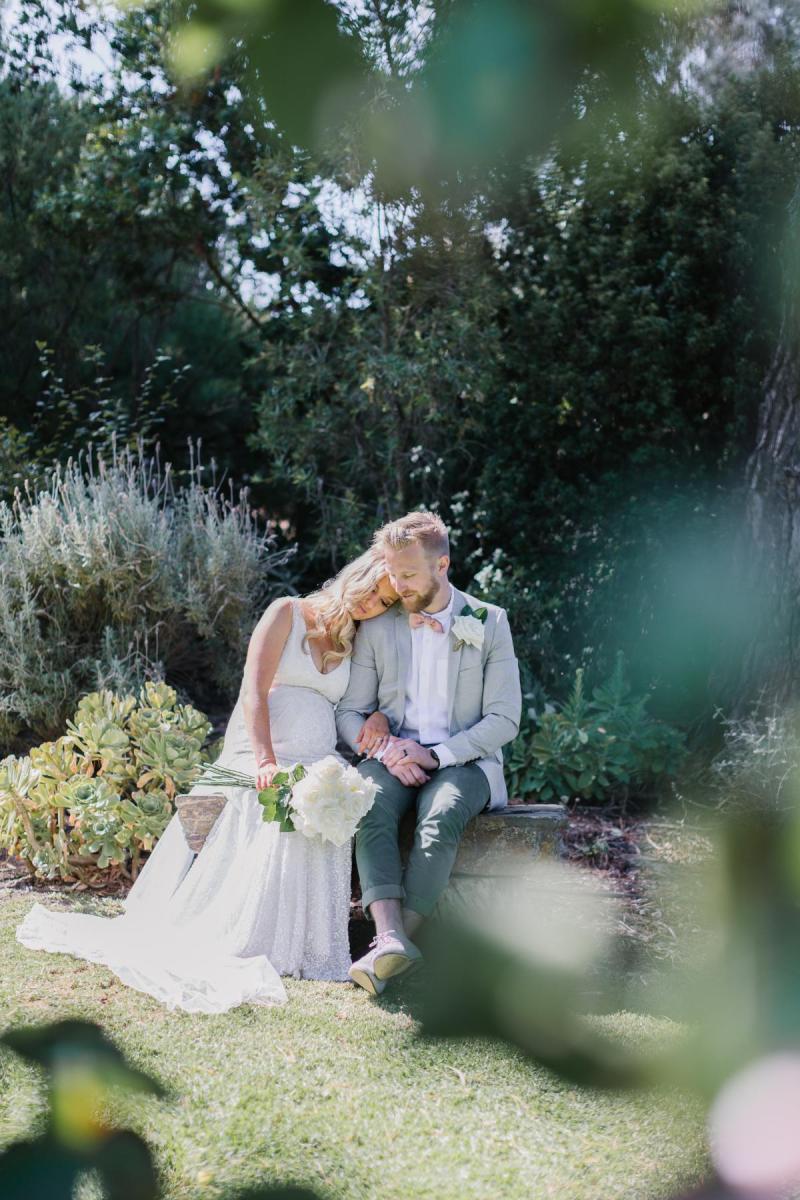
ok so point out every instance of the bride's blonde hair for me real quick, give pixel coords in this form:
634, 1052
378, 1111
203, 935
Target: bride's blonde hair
333, 601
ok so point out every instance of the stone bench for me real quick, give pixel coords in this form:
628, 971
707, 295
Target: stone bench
495, 845
499, 845
504, 841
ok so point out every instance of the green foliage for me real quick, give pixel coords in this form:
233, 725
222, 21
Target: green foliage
484, 83
108, 574
275, 799
591, 748
95, 412
565, 365
133, 218
103, 792
379, 401
566, 371
16, 456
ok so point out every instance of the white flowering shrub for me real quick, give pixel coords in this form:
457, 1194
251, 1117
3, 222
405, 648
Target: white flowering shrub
109, 574
103, 792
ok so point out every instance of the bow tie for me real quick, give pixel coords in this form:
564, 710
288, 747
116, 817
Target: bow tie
418, 619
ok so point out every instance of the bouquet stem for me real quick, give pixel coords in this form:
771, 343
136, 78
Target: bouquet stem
275, 800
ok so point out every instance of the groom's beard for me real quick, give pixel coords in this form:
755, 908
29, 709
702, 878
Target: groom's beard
418, 601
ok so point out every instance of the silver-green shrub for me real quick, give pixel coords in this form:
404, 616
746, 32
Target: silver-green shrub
102, 793
758, 767
110, 574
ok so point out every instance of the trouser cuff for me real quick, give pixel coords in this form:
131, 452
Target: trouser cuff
384, 891
419, 905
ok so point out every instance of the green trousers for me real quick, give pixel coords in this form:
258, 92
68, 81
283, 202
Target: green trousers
445, 804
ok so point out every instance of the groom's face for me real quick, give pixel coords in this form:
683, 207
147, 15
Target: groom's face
415, 575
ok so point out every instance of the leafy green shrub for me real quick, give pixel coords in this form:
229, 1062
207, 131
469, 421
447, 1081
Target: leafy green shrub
110, 574
103, 792
590, 747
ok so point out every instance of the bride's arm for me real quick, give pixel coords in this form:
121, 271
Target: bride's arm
263, 655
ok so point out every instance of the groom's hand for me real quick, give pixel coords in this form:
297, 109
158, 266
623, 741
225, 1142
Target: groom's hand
403, 751
409, 774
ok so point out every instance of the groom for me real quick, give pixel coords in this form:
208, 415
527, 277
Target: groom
441, 668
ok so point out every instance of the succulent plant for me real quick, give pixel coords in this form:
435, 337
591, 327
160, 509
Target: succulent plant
17, 776
146, 815
168, 761
100, 740
158, 695
55, 760
104, 704
102, 794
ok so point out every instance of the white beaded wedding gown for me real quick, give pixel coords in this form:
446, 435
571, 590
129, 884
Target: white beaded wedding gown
206, 933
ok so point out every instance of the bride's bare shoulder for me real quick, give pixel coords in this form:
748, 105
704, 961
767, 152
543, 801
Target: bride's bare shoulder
277, 617
283, 605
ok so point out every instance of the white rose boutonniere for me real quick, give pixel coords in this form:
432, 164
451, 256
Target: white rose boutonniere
468, 627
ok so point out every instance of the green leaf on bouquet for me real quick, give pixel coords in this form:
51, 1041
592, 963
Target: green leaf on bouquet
287, 824
269, 799
298, 773
280, 779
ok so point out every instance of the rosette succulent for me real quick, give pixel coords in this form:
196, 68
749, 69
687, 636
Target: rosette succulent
105, 704
103, 793
168, 761
101, 742
94, 809
146, 815
55, 761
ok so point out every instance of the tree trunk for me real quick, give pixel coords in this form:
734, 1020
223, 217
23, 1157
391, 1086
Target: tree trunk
772, 663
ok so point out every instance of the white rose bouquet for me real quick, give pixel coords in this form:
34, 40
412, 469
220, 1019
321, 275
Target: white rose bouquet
326, 800
330, 800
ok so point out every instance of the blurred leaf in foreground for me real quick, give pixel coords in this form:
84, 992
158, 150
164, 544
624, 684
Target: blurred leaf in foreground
543, 954
83, 1068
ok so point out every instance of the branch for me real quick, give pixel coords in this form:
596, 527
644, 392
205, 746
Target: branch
27, 824
228, 287
377, 9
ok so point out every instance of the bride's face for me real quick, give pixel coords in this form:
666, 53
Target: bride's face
379, 599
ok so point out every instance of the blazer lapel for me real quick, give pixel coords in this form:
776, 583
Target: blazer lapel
402, 658
454, 657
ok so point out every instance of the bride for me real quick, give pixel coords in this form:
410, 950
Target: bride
256, 903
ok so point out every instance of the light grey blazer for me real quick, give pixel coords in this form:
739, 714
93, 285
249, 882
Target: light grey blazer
484, 690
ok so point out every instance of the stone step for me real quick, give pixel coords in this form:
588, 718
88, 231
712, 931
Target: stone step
500, 847
503, 842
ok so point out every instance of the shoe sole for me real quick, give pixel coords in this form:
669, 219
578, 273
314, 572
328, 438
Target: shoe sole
364, 980
389, 965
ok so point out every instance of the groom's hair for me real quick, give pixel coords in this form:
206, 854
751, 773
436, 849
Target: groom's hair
423, 527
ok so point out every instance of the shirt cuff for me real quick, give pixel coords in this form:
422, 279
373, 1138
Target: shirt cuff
445, 755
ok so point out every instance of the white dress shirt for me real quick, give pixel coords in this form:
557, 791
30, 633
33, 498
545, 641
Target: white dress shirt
426, 718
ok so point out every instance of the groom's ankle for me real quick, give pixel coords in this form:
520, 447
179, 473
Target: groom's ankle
412, 921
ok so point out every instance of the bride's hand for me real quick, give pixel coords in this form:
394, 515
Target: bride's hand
265, 773
373, 735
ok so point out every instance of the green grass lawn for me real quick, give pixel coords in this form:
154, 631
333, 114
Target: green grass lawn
339, 1092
